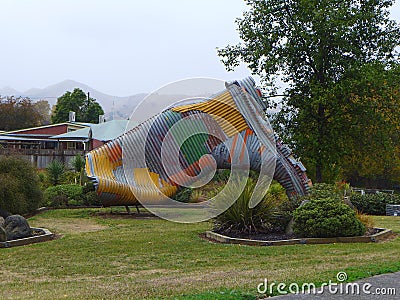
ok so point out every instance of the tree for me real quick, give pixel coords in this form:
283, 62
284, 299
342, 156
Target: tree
21, 112
78, 163
312, 45
86, 108
43, 108
369, 102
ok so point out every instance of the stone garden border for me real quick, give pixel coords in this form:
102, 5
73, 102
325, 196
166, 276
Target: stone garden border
377, 237
45, 235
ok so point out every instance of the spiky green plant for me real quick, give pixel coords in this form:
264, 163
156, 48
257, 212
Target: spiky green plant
240, 218
54, 171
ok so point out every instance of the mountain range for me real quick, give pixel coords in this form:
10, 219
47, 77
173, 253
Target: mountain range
115, 107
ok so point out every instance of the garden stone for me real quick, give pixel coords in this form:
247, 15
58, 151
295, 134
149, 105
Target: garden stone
2, 222
289, 227
348, 202
17, 227
304, 202
4, 214
3, 236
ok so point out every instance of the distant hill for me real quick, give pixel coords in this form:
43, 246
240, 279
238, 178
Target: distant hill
8, 91
119, 107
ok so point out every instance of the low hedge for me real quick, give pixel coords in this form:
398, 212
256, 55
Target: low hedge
373, 204
68, 195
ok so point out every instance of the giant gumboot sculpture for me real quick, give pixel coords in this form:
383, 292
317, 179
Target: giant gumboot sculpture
231, 125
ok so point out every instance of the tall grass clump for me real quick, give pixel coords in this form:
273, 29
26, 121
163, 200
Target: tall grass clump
240, 218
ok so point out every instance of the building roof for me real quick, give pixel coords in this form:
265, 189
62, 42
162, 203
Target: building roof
76, 124
5, 138
105, 131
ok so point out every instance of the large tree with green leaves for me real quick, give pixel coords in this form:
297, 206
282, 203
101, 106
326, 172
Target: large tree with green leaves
312, 45
369, 123
21, 112
86, 108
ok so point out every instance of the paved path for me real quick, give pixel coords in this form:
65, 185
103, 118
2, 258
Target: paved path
377, 286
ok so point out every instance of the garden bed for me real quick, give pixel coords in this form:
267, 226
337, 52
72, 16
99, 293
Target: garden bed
39, 235
380, 234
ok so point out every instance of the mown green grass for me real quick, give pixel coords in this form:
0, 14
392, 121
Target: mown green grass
102, 258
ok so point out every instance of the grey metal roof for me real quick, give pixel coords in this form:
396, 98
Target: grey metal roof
23, 139
103, 132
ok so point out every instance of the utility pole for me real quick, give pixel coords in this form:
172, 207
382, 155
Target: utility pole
113, 109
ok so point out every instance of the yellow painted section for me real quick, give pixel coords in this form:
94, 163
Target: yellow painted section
151, 191
223, 109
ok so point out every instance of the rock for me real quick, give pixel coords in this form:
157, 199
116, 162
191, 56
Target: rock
4, 213
2, 222
17, 227
304, 202
3, 236
348, 202
289, 227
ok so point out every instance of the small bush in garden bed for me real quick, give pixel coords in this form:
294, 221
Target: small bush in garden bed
64, 195
373, 204
367, 220
183, 195
92, 199
68, 195
327, 217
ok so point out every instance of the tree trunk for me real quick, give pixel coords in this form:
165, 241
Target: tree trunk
318, 171
319, 162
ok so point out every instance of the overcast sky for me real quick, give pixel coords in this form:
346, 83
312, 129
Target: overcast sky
117, 47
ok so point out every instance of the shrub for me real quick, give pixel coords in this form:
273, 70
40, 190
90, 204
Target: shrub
239, 218
68, 195
70, 177
323, 191
64, 195
92, 199
286, 205
183, 195
365, 219
54, 171
328, 217
20, 187
88, 187
78, 163
42, 180
373, 204
198, 196
222, 175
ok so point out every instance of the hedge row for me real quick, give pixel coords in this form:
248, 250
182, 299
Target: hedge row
373, 204
67, 195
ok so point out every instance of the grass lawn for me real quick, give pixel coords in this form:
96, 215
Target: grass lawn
100, 258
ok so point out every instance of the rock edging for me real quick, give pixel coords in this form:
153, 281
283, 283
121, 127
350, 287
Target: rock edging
45, 235
377, 237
